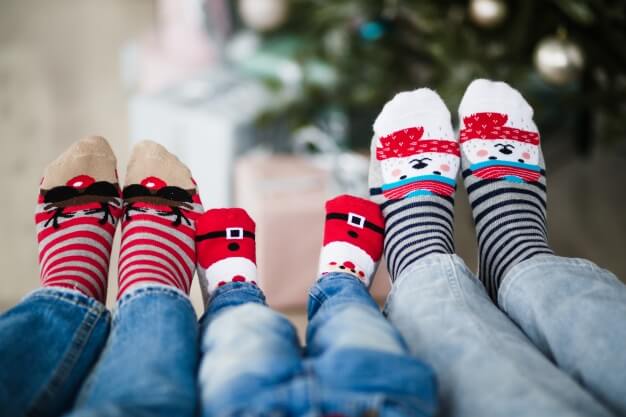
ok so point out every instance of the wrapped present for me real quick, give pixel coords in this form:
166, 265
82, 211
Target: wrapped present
206, 122
285, 195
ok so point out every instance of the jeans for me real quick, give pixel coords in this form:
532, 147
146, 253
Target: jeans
60, 353
555, 347
355, 363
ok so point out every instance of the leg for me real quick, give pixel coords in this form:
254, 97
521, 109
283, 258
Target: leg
250, 354
361, 363
48, 345
567, 307
50, 340
359, 356
573, 311
148, 366
486, 366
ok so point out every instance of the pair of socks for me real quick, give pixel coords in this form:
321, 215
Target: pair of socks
353, 240
415, 160
80, 202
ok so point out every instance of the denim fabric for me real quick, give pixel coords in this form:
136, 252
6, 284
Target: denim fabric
148, 365
574, 312
486, 366
48, 343
356, 364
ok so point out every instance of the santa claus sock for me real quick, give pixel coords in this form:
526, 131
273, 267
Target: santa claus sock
77, 210
413, 168
504, 174
161, 203
353, 238
226, 248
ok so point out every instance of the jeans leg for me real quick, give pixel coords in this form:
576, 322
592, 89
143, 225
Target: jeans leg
148, 365
485, 365
361, 362
250, 354
574, 312
48, 343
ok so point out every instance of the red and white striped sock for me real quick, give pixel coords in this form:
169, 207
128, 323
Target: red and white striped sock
226, 248
77, 210
353, 237
161, 204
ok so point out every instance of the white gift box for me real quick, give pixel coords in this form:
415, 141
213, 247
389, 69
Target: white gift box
206, 122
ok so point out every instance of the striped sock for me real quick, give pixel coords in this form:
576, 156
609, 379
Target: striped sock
158, 225
503, 171
413, 168
77, 210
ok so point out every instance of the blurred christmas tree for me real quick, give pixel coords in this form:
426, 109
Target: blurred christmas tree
568, 57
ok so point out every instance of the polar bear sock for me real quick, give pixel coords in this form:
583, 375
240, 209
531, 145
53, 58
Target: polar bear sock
353, 237
226, 248
503, 171
413, 169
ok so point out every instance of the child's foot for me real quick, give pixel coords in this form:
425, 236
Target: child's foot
503, 171
226, 248
161, 203
77, 210
353, 237
413, 168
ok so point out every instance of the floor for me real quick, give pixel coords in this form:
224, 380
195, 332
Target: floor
59, 80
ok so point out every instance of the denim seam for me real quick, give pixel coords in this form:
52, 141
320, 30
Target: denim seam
68, 361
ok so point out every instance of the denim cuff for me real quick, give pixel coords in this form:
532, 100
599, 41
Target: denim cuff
69, 296
337, 288
233, 294
546, 263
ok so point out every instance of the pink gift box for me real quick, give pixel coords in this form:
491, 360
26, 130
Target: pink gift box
285, 195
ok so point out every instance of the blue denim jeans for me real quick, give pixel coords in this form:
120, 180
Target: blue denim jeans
355, 363
59, 354
554, 348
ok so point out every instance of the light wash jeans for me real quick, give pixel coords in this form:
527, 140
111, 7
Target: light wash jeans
355, 363
556, 346
59, 353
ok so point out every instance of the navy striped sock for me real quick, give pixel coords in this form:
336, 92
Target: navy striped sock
415, 160
503, 172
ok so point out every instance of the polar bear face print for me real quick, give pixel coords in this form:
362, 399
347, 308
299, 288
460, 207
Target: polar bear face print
482, 150
425, 163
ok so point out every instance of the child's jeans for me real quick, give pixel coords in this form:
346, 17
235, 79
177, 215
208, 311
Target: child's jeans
355, 363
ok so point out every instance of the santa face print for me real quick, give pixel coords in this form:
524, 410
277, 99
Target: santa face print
483, 150
419, 165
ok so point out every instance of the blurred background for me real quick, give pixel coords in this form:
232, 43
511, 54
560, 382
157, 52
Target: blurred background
271, 102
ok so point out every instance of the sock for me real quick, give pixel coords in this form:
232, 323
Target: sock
504, 174
226, 248
353, 237
77, 210
413, 168
161, 204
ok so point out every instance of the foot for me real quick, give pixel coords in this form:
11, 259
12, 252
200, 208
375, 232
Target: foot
353, 238
413, 168
226, 248
503, 171
77, 210
161, 203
